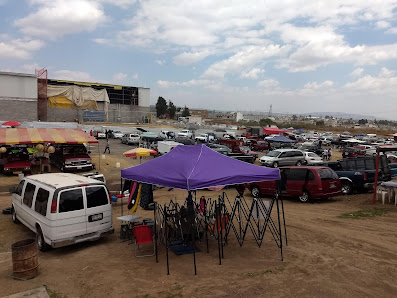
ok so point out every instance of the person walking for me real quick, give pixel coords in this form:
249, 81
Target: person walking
107, 147
329, 154
91, 132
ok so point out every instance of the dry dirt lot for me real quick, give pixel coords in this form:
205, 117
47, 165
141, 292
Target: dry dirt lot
327, 256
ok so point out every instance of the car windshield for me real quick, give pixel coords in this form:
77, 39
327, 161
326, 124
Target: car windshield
327, 174
74, 150
244, 148
273, 153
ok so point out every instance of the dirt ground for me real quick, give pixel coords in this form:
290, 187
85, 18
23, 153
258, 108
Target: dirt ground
326, 256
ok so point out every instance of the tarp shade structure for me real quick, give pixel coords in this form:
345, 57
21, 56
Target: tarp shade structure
279, 139
196, 167
353, 141
13, 136
274, 131
61, 102
78, 95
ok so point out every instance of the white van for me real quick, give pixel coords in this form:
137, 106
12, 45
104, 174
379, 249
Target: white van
62, 208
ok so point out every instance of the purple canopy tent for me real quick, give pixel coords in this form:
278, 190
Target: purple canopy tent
197, 167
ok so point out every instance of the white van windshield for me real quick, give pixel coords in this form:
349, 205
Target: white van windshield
273, 153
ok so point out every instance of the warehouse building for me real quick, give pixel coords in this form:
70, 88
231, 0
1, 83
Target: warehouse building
27, 97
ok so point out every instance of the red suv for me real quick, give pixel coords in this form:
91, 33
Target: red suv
302, 182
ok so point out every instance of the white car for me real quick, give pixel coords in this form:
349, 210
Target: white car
312, 158
62, 209
101, 135
117, 134
203, 137
185, 134
130, 138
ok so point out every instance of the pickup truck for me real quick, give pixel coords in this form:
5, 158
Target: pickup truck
237, 146
226, 151
202, 138
359, 173
185, 134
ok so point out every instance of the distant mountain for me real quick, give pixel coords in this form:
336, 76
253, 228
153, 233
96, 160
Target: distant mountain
339, 115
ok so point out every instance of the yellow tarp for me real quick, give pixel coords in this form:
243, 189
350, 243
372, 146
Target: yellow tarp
61, 102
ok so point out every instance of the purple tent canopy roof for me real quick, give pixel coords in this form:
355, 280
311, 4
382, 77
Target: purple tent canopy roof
196, 167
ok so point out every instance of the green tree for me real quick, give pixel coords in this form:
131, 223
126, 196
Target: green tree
161, 107
266, 122
171, 109
320, 123
362, 121
185, 112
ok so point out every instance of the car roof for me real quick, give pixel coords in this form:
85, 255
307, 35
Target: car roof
306, 167
60, 180
284, 150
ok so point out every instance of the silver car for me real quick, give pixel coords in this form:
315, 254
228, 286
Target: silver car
283, 157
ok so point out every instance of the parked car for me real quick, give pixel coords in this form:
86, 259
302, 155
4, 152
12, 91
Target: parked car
260, 146
359, 173
15, 161
311, 147
71, 157
204, 137
62, 209
313, 159
130, 138
166, 134
117, 135
283, 157
164, 147
303, 182
353, 152
185, 134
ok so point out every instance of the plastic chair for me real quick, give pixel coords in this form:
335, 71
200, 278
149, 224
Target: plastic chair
380, 190
143, 235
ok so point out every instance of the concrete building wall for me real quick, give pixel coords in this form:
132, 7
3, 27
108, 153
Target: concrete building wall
18, 97
144, 97
18, 85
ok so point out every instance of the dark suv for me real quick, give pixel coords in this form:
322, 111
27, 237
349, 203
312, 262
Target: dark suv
70, 158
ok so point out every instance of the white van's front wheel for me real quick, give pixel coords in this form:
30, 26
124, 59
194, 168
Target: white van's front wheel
14, 216
40, 240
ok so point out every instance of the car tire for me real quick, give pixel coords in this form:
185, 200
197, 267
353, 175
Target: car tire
14, 216
275, 164
347, 188
42, 246
305, 197
255, 191
298, 163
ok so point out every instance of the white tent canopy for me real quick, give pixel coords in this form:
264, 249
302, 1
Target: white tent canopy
78, 95
353, 141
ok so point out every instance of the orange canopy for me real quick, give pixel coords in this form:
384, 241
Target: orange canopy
12, 136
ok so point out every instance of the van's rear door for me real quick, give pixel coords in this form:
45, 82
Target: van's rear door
99, 209
329, 180
70, 219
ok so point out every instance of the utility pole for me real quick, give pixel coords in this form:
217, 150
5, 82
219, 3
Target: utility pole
270, 111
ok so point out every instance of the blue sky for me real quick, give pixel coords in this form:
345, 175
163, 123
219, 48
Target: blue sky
299, 56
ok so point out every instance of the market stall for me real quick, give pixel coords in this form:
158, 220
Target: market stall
197, 167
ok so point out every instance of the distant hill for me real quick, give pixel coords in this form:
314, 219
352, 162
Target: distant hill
339, 115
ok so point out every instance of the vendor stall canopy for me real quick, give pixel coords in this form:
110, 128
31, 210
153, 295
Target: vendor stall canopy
12, 136
274, 131
196, 167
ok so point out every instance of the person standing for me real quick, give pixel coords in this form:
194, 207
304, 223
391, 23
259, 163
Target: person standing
325, 154
91, 132
107, 147
320, 142
329, 154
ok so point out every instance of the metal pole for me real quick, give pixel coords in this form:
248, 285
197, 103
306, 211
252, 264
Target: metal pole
217, 231
376, 177
99, 155
155, 232
279, 229
121, 198
166, 238
206, 224
285, 227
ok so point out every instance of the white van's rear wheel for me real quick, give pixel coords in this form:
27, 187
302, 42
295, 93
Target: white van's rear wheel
40, 240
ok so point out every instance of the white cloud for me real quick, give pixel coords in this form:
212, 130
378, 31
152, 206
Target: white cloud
252, 73
189, 58
55, 18
19, 48
392, 30
160, 61
25, 68
268, 84
357, 72
246, 57
382, 25
384, 83
119, 77
71, 75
